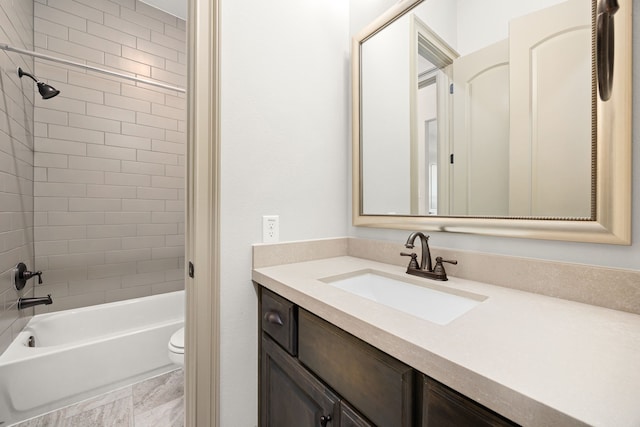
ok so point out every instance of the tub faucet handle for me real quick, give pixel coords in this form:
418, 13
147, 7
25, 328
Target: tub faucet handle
21, 275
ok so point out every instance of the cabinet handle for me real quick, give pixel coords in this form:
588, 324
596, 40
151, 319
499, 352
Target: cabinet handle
273, 317
324, 420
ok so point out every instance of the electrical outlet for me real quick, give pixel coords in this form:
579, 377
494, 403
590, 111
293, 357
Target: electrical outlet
270, 228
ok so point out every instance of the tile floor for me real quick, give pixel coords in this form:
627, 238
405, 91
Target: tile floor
155, 402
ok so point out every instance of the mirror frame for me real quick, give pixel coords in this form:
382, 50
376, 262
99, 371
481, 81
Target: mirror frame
612, 224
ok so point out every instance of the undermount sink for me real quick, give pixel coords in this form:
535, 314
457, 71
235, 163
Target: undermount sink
434, 303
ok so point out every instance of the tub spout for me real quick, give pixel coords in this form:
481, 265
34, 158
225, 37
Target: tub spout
31, 302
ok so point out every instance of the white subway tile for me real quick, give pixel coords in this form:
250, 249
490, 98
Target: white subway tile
179, 101
140, 205
47, 145
92, 81
172, 275
54, 247
157, 193
167, 217
143, 131
78, 9
168, 147
176, 171
95, 42
40, 129
141, 20
175, 240
51, 29
124, 64
142, 168
61, 276
59, 16
76, 134
95, 205
111, 191
175, 136
106, 6
76, 176
76, 51
75, 260
109, 152
112, 178
48, 189
45, 204
127, 27
174, 205
94, 164
47, 115
128, 255
127, 217
111, 270
170, 112
60, 232
93, 123
127, 103
76, 218
142, 242
156, 229
156, 14
112, 113
94, 285
128, 141
153, 157
120, 230
112, 34
169, 77
164, 253
50, 160
156, 49
176, 33
154, 121
40, 174
132, 91
143, 279
157, 265
95, 245
167, 182
170, 42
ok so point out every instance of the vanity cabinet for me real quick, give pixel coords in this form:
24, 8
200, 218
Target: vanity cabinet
314, 374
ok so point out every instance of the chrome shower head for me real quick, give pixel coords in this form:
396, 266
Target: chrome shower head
46, 91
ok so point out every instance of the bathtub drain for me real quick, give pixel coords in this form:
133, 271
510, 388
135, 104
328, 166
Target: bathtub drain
32, 341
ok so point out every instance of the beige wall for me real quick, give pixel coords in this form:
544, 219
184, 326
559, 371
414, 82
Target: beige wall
109, 153
16, 162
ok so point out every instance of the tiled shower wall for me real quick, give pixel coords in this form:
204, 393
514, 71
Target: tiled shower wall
109, 153
16, 162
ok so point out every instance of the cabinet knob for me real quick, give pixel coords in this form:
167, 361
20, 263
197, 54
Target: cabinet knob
324, 420
273, 317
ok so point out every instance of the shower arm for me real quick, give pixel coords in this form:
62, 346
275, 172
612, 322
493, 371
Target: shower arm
4, 46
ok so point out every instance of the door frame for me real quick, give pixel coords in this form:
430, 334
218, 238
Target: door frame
202, 333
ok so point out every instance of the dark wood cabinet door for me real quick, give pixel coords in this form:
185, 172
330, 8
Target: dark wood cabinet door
350, 418
444, 407
290, 396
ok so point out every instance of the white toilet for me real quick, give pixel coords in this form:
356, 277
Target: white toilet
176, 347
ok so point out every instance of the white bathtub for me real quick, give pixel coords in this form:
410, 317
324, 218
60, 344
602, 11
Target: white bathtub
85, 352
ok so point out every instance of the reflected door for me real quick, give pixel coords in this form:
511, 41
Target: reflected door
480, 161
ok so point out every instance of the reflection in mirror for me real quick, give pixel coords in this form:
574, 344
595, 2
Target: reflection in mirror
480, 108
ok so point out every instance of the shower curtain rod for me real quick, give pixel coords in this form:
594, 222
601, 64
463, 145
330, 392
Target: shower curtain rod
5, 46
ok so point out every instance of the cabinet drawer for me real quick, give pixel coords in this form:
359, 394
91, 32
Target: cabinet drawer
279, 320
443, 406
377, 385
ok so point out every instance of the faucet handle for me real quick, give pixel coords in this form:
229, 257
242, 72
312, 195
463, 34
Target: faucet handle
439, 268
413, 264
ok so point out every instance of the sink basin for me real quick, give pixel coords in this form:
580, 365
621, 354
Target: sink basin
434, 303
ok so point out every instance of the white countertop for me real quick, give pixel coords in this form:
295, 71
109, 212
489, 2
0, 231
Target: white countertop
536, 360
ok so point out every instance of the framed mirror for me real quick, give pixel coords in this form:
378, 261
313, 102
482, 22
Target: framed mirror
495, 117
